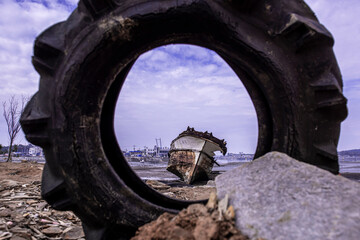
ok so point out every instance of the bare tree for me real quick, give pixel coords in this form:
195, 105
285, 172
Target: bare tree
12, 110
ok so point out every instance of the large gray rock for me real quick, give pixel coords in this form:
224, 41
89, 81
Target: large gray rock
278, 197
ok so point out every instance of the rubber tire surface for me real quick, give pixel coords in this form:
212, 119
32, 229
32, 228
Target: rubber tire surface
281, 52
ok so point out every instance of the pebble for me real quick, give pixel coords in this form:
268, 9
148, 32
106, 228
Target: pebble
230, 212
41, 206
5, 213
212, 201
31, 201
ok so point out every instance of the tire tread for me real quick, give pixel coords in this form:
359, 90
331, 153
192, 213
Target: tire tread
97, 8
304, 32
49, 49
53, 190
34, 123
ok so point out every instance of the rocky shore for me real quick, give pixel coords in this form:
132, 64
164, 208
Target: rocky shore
216, 220
24, 215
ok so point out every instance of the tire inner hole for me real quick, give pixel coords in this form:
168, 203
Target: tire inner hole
170, 88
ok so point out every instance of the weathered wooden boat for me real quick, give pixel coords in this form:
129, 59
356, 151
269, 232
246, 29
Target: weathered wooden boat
192, 155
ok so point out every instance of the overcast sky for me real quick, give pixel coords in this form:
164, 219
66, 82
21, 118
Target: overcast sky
175, 86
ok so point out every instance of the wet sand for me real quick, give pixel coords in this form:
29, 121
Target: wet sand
352, 176
159, 173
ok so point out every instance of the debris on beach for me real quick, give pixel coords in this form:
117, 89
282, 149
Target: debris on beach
192, 155
182, 191
214, 221
24, 215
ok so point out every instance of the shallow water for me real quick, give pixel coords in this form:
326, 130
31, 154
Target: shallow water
148, 171
157, 171
349, 167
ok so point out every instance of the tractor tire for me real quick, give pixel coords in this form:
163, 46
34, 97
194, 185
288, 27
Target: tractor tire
279, 50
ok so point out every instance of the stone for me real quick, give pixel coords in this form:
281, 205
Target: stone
210, 183
198, 209
31, 202
40, 206
6, 193
163, 226
230, 213
223, 205
169, 194
18, 238
9, 183
157, 185
51, 231
194, 222
278, 197
73, 233
17, 218
206, 229
13, 206
21, 233
178, 233
5, 212
212, 202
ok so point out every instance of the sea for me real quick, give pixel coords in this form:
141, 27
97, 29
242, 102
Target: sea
150, 171
157, 171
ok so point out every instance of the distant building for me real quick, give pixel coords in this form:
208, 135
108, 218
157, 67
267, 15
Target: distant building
24, 150
35, 151
163, 152
136, 153
157, 151
149, 152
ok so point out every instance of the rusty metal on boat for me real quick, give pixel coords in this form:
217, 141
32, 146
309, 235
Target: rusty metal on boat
192, 155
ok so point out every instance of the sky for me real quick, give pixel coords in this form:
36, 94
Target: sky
175, 86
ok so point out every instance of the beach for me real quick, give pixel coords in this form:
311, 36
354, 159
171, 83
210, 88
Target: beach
24, 215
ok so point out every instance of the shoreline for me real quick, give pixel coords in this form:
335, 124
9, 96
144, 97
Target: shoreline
149, 171
24, 213
351, 176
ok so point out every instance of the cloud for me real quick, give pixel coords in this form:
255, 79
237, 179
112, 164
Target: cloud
175, 86
341, 18
20, 23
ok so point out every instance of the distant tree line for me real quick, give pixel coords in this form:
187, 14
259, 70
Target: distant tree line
15, 148
353, 152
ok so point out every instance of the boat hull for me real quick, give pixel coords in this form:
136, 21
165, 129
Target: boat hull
191, 155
